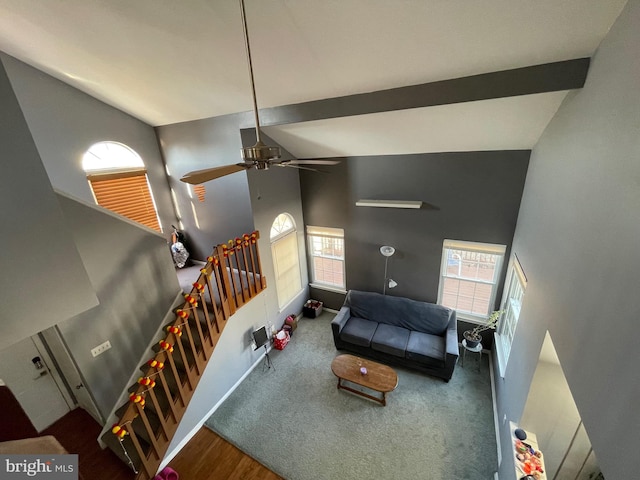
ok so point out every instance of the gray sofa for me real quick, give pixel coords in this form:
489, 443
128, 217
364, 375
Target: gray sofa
396, 330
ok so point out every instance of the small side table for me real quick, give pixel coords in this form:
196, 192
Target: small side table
476, 349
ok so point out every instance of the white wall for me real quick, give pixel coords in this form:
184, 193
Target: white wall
577, 240
551, 413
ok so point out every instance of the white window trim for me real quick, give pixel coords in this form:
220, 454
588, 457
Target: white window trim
489, 248
326, 232
514, 273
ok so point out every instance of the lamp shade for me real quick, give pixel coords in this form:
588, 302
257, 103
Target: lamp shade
387, 251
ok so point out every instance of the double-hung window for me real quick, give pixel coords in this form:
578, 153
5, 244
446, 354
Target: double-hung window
512, 298
469, 275
326, 252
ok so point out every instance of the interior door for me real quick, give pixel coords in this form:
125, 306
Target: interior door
70, 372
32, 383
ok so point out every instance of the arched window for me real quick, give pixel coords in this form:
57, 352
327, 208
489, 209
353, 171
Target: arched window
118, 180
286, 263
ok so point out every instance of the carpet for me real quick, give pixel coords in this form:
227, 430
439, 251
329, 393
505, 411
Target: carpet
296, 422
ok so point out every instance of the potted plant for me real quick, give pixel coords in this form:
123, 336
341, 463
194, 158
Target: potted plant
473, 336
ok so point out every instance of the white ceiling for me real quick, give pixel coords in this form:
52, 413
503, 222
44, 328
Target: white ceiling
167, 61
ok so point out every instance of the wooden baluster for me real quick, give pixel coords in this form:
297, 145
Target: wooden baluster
150, 432
254, 270
263, 281
183, 354
200, 362
237, 293
176, 375
163, 421
170, 397
241, 269
249, 274
224, 276
148, 468
216, 311
204, 281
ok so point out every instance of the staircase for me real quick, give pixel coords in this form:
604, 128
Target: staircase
231, 277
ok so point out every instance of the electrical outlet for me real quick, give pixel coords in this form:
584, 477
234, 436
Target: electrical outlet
103, 347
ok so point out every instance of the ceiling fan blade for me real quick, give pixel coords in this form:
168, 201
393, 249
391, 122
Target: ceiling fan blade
299, 167
311, 162
200, 176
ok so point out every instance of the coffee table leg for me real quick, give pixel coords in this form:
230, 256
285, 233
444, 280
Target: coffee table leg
384, 399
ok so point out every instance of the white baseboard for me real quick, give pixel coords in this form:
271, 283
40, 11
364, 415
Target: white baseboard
170, 456
496, 422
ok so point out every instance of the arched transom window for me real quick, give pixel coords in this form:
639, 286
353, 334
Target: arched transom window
286, 261
118, 179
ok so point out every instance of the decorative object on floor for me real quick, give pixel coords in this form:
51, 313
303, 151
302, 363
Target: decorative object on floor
167, 473
398, 331
281, 340
520, 434
477, 348
387, 251
473, 336
372, 376
259, 156
312, 308
297, 423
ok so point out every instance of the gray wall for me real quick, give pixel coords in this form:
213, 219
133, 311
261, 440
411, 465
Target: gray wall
471, 196
113, 258
65, 122
226, 211
273, 192
134, 277
577, 239
43, 280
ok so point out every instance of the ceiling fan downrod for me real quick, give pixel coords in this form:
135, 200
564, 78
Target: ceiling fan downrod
258, 152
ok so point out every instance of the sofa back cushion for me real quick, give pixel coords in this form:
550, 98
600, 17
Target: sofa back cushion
401, 312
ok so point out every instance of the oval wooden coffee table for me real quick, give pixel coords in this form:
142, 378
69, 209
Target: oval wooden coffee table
379, 378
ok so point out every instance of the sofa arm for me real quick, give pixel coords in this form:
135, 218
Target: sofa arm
339, 321
451, 336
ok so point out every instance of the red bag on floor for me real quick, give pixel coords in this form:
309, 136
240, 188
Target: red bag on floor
281, 339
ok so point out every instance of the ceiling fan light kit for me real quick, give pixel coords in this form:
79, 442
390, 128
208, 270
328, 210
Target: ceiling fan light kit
389, 203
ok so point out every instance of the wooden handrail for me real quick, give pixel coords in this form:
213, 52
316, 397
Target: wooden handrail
194, 355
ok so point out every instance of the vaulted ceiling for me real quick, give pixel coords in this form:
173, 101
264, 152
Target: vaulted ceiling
166, 61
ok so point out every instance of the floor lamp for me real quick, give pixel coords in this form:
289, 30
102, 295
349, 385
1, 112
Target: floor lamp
387, 251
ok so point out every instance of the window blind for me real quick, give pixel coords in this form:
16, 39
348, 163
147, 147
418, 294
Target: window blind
287, 268
128, 194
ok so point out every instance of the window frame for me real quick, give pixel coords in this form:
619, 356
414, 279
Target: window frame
329, 233
117, 177
279, 236
476, 247
110, 183
515, 285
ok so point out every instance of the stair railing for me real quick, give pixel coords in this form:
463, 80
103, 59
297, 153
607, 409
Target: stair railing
231, 277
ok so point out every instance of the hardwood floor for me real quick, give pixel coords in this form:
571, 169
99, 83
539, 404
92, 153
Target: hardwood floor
77, 431
207, 456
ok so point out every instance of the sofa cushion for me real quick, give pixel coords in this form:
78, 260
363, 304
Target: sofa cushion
390, 339
426, 349
358, 331
400, 312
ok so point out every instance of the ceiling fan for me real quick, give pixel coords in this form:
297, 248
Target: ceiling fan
259, 156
